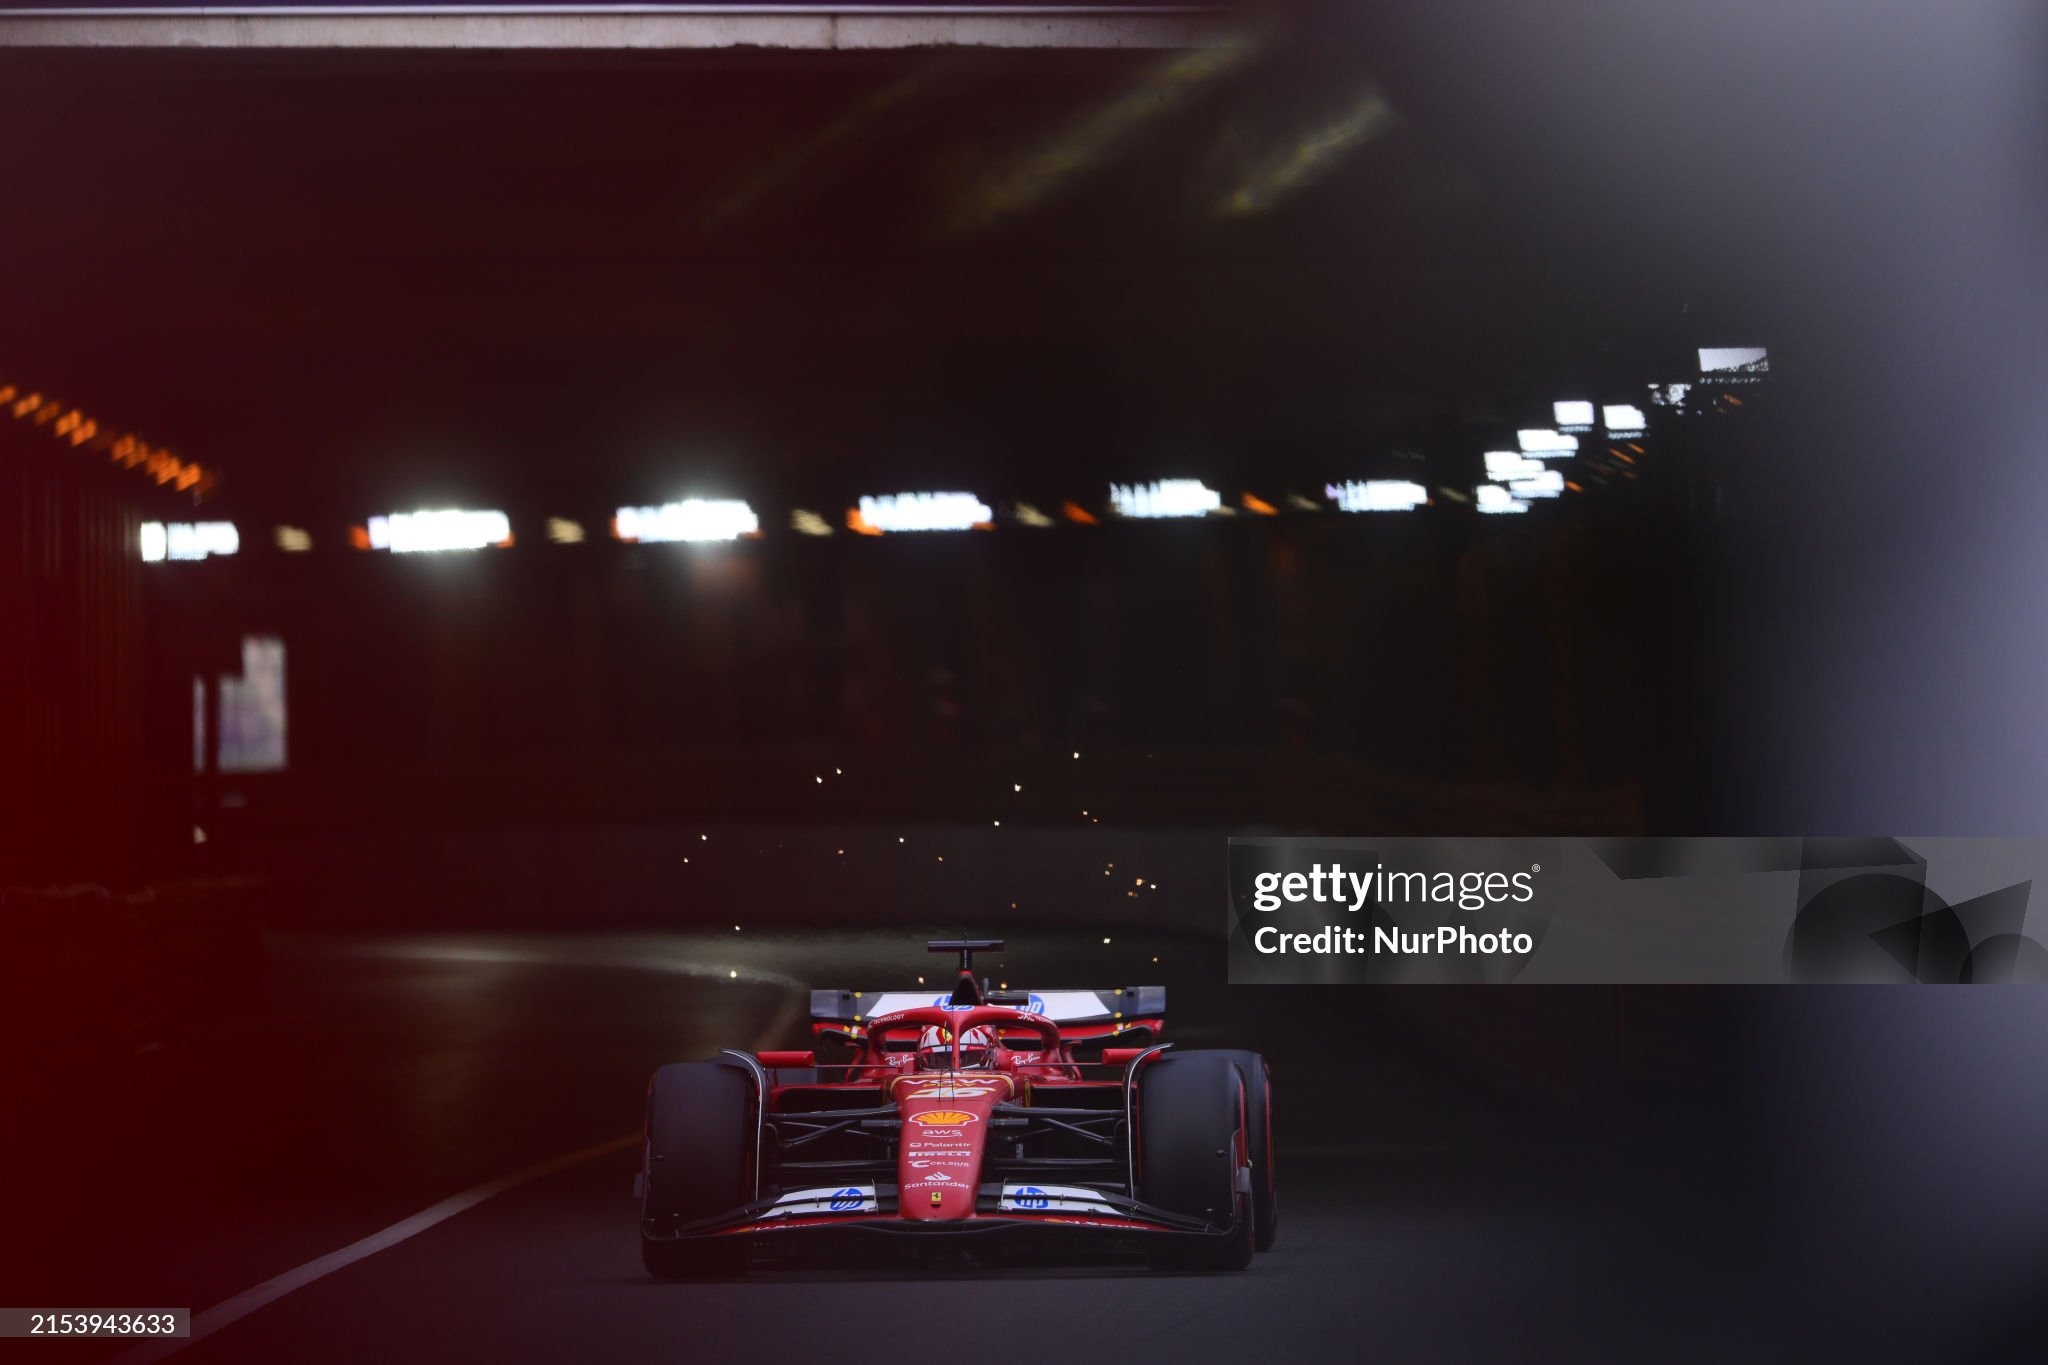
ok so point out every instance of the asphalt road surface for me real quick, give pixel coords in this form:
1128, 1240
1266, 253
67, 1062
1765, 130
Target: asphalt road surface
1447, 1193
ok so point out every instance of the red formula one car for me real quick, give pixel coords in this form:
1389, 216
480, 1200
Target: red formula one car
983, 1121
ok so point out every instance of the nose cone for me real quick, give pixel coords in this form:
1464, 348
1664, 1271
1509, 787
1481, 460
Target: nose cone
945, 1129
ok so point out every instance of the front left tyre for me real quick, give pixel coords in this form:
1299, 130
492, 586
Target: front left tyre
699, 1132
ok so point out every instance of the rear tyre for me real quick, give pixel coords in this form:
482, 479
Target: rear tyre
1258, 1121
1191, 1139
699, 1138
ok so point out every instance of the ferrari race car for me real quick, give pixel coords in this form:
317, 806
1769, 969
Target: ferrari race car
980, 1121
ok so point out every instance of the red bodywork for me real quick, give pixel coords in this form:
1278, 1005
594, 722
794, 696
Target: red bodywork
946, 1123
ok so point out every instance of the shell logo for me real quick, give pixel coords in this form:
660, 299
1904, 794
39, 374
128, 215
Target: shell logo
943, 1118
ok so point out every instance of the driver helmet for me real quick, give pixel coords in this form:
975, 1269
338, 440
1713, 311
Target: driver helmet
935, 1049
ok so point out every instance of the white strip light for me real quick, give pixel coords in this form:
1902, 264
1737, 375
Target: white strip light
1511, 464
1544, 483
690, 519
1573, 413
417, 532
1377, 495
188, 540
1544, 443
1491, 497
1164, 498
1623, 419
1742, 359
925, 512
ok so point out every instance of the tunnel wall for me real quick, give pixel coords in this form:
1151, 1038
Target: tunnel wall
73, 639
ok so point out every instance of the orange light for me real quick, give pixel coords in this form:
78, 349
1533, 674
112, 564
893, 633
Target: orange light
27, 405
7, 392
1574, 487
359, 537
1259, 506
859, 524
1074, 512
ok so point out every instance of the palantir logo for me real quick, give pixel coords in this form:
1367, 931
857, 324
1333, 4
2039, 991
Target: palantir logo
847, 1200
1031, 1197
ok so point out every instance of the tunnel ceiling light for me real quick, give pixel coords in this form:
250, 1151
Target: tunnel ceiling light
1572, 413
188, 540
807, 523
450, 529
692, 519
1544, 443
923, 512
1544, 483
1511, 464
294, 539
1164, 498
1722, 361
1491, 497
562, 531
1623, 419
1377, 495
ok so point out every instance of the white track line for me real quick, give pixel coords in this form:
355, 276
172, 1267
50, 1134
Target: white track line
270, 1291
232, 1311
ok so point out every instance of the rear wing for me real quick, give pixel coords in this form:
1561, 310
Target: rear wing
1085, 1014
